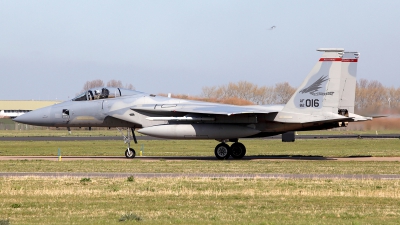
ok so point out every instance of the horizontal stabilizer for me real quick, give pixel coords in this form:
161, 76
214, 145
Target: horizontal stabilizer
379, 116
347, 119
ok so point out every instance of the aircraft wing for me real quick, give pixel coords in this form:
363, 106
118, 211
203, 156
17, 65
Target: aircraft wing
218, 109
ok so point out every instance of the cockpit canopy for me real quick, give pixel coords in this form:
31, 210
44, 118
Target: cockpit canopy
104, 92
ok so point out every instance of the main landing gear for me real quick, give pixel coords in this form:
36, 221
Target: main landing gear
223, 151
129, 152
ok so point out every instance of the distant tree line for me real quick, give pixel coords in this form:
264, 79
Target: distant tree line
369, 94
278, 94
372, 94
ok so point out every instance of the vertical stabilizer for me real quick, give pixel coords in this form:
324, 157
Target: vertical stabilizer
348, 81
320, 91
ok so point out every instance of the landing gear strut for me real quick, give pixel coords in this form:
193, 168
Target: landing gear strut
129, 152
223, 151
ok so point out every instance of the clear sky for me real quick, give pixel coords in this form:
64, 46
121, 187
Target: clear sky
49, 49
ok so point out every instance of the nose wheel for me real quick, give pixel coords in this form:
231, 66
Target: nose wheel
130, 153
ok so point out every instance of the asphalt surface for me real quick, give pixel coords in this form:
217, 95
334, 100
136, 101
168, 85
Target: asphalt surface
204, 158
105, 138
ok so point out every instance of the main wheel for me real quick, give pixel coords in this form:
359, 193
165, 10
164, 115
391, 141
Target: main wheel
222, 151
238, 150
130, 153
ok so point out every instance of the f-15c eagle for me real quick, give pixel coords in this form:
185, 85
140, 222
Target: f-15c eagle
324, 100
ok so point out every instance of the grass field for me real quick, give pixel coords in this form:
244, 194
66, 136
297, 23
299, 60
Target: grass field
36, 200
196, 166
199, 201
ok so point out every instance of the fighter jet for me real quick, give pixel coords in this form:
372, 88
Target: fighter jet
324, 100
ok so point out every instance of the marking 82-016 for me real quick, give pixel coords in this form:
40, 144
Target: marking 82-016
309, 103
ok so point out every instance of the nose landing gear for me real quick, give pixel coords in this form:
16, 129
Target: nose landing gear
129, 152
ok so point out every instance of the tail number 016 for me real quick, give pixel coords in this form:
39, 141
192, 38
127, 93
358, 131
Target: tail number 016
312, 102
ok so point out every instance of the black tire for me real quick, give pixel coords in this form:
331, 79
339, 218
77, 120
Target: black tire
238, 150
222, 151
130, 153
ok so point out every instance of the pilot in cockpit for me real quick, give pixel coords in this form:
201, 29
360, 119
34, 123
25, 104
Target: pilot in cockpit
90, 95
104, 93
96, 94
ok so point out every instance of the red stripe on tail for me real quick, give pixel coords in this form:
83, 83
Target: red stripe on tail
330, 59
349, 60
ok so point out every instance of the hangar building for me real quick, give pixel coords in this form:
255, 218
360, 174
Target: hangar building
14, 108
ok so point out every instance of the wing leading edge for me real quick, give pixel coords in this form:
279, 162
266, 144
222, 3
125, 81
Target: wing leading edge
217, 109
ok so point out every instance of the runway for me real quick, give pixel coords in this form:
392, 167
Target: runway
105, 138
202, 175
200, 158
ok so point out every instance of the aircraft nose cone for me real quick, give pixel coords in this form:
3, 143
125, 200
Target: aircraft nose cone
38, 117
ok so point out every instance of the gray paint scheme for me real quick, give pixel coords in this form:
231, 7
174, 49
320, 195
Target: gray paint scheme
314, 105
